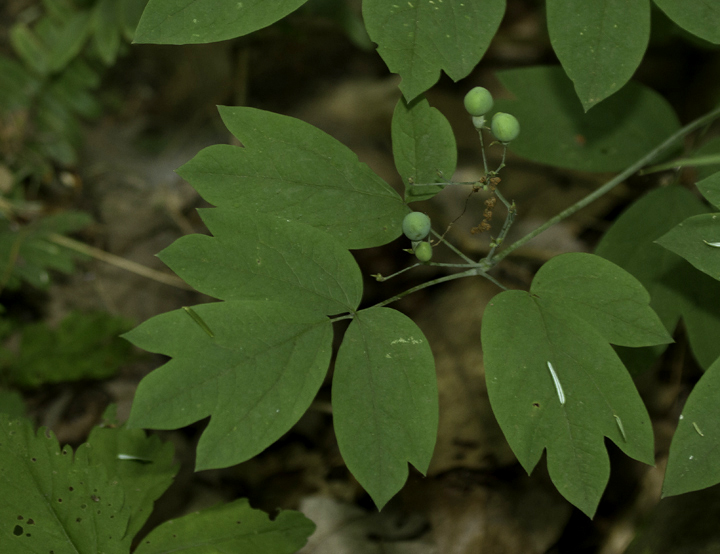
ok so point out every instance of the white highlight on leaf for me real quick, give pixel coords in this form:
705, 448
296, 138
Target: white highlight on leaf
130, 457
409, 340
558, 386
620, 426
699, 432
714, 244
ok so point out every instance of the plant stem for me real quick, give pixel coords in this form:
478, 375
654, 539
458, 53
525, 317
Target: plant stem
612, 183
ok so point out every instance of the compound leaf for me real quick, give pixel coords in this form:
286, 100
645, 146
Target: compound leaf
697, 239
556, 130
692, 464
293, 170
258, 256
600, 43
604, 295
699, 17
232, 527
423, 147
418, 39
385, 400
556, 384
56, 501
255, 373
201, 21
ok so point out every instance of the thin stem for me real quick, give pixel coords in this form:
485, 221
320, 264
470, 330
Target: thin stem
468, 273
446, 183
452, 247
381, 279
502, 162
682, 162
482, 149
612, 183
117, 261
486, 262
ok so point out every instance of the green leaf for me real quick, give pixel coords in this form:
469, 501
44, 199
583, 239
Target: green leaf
699, 17
600, 43
255, 377
555, 383
11, 403
604, 295
710, 189
130, 13
201, 21
676, 288
693, 463
293, 170
106, 32
54, 501
418, 39
30, 49
143, 465
697, 239
556, 130
19, 85
258, 256
66, 42
232, 527
423, 147
385, 401
84, 346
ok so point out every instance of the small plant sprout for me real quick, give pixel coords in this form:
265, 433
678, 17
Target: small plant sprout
558, 386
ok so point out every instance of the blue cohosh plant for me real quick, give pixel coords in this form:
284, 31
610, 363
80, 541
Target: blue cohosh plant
291, 203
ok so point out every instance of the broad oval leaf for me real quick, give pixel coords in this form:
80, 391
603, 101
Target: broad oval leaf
423, 147
385, 401
556, 384
604, 295
201, 21
556, 131
699, 17
258, 257
600, 43
693, 461
417, 39
697, 239
291, 169
219, 526
255, 376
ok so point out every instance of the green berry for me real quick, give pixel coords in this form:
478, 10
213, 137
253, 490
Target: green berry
505, 127
478, 101
478, 121
416, 225
423, 252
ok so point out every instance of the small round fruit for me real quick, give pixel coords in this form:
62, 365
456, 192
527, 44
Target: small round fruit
416, 225
423, 252
478, 121
478, 101
505, 127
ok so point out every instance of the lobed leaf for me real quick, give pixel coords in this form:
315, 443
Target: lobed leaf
699, 17
291, 169
202, 21
697, 239
424, 147
556, 130
385, 401
604, 295
600, 43
258, 256
255, 376
692, 463
676, 289
418, 39
555, 383
232, 527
